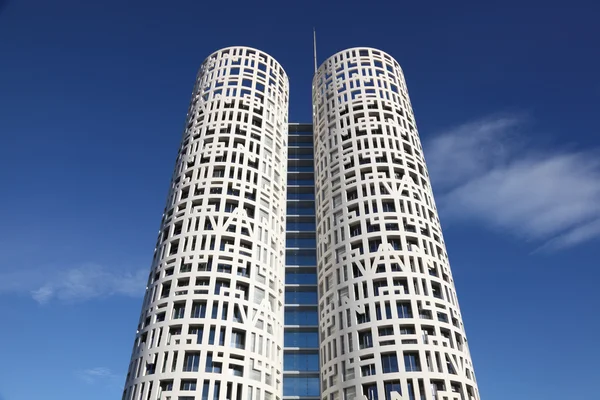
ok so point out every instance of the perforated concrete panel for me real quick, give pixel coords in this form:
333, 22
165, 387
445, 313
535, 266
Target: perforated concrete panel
390, 324
212, 319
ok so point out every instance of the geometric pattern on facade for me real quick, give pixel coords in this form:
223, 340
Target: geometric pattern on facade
211, 325
390, 324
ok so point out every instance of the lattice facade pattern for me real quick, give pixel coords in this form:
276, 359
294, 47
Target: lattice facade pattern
390, 324
211, 325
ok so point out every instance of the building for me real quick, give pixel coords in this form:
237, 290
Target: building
389, 318
297, 264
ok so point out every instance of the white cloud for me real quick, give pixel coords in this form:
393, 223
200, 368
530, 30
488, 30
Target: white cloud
470, 148
484, 175
94, 375
79, 283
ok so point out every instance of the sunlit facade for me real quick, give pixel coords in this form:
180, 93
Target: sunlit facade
300, 261
389, 322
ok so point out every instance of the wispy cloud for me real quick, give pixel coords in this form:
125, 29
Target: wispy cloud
79, 283
97, 374
481, 171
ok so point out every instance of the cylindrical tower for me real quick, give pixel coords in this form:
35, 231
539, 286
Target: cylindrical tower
211, 324
390, 324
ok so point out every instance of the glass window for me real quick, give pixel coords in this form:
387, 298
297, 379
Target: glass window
386, 331
178, 311
390, 387
411, 362
301, 386
370, 390
300, 153
367, 370
294, 361
442, 317
301, 339
365, 339
301, 242
188, 384
300, 226
389, 363
301, 278
205, 387
238, 339
212, 366
199, 309
301, 168
301, 257
197, 330
301, 317
191, 361
300, 208
292, 180
295, 296
404, 310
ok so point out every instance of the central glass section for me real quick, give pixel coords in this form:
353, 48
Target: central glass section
301, 337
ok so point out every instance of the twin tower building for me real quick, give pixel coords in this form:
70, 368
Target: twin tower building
299, 261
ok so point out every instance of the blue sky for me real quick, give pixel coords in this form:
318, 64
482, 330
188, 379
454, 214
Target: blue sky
93, 97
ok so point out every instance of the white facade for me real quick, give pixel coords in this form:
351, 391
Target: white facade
390, 323
212, 319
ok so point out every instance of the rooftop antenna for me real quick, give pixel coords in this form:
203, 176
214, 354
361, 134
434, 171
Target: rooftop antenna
315, 47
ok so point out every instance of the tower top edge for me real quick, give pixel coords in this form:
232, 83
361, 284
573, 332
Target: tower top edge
384, 53
229, 48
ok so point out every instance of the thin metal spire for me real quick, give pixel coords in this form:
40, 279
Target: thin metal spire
315, 47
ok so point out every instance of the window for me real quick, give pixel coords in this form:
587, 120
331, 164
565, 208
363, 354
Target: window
301, 242
411, 361
370, 390
299, 226
365, 339
389, 363
386, 331
407, 329
404, 310
238, 339
391, 387
219, 284
367, 370
191, 361
178, 311
300, 277
212, 366
301, 339
296, 296
301, 257
364, 318
197, 330
166, 385
300, 208
388, 206
188, 384
378, 285
199, 309
300, 361
301, 386
236, 370
301, 317
205, 387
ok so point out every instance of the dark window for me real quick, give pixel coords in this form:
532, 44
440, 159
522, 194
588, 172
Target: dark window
404, 310
191, 361
389, 363
411, 362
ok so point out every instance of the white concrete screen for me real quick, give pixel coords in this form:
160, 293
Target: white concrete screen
211, 324
390, 324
